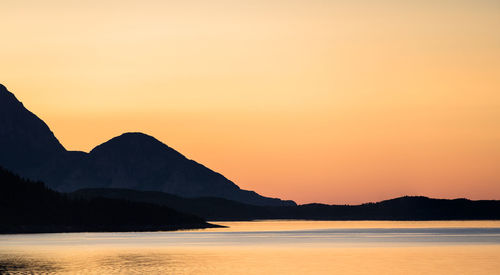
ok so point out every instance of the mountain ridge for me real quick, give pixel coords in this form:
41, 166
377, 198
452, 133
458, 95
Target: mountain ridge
400, 208
131, 160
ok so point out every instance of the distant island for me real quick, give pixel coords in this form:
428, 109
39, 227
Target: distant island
403, 208
134, 182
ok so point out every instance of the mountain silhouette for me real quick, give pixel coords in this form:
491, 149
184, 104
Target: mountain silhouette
133, 161
26, 142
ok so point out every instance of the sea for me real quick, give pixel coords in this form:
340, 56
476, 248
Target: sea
265, 247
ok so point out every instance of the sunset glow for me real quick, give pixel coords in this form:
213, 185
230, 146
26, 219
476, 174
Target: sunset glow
314, 101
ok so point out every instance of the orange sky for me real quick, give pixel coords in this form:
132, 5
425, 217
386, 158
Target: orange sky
315, 101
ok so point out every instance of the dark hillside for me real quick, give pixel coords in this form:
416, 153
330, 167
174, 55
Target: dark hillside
28, 207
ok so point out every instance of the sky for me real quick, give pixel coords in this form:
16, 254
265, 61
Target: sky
312, 100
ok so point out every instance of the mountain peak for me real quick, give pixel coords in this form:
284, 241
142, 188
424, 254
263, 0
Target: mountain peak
137, 136
134, 142
134, 136
7, 98
26, 141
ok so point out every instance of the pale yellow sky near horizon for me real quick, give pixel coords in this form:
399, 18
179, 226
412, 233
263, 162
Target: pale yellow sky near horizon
315, 101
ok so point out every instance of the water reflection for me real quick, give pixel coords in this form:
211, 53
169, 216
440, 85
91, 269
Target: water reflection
263, 248
23, 264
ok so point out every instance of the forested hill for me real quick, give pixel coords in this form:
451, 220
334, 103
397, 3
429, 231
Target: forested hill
30, 207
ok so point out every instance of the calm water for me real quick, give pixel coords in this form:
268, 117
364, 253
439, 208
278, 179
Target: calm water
265, 247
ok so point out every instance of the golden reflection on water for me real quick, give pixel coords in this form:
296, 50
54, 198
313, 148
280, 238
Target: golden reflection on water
132, 253
234, 260
281, 225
